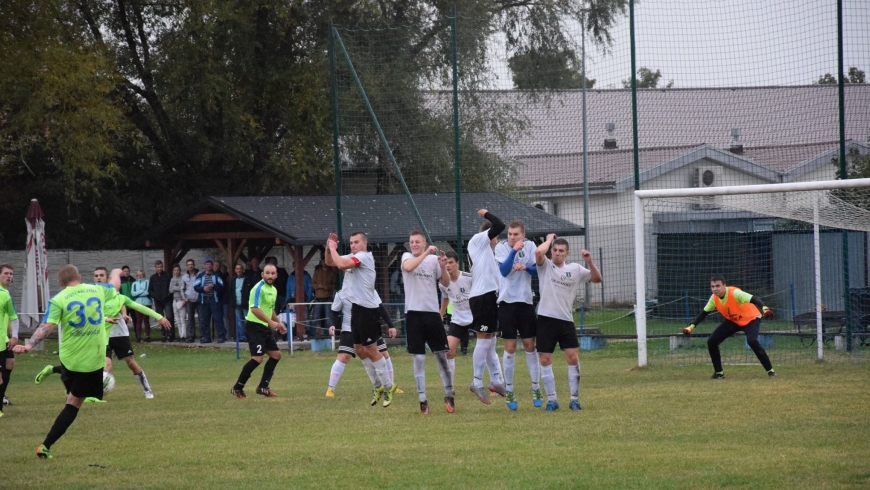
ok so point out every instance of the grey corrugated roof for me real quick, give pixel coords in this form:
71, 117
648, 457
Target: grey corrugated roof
308, 220
387, 218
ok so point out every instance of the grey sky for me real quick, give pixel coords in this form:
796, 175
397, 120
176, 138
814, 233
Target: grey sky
717, 43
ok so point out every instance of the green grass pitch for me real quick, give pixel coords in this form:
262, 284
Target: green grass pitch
658, 427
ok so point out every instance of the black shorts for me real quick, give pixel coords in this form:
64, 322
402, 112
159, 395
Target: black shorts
425, 327
5, 354
83, 385
458, 331
365, 325
517, 320
260, 339
484, 310
552, 331
345, 344
121, 346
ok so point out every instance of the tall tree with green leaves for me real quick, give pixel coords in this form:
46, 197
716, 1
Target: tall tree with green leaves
647, 78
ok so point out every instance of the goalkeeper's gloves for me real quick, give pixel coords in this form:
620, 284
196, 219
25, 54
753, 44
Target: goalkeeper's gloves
766, 312
688, 330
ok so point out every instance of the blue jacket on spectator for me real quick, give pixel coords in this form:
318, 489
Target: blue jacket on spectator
291, 288
215, 294
140, 292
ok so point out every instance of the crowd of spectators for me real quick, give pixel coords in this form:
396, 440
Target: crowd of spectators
214, 300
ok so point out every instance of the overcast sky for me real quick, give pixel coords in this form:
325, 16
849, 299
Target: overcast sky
719, 43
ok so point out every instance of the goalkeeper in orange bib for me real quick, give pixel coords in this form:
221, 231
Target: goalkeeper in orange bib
742, 311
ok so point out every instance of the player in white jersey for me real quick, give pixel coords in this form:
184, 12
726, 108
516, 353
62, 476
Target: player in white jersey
345, 345
483, 301
558, 283
422, 271
456, 293
359, 288
516, 313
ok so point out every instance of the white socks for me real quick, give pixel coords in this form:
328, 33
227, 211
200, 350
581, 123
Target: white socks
420, 375
509, 363
534, 368
370, 370
481, 350
143, 381
452, 364
389, 368
445, 371
381, 370
549, 382
574, 381
494, 364
335, 374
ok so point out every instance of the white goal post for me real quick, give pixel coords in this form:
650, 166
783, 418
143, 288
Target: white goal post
824, 209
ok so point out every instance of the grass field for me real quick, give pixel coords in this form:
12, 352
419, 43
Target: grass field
659, 427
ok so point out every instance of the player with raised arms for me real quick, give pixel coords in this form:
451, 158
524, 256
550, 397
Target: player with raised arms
78, 309
742, 312
483, 300
422, 271
359, 288
259, 323
341, 305
456, 293
558, 283
516, 313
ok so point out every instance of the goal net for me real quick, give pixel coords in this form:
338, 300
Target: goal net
800, 247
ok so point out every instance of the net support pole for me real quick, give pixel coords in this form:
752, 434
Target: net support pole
457, 169
336, 160
381, 134
841, 101
635, 153
585, 152
817, 273
640, 282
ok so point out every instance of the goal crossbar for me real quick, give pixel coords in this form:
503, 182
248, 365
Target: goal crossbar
819, 185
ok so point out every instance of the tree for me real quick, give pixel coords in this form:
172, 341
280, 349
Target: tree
854, 76
647, 78
131, 110
534, 70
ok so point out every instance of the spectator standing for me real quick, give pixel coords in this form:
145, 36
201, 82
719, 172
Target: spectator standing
240, 306
310, 326
179, 302
209, 286
221, 270
140, 296
189, 280
253, 274
127, 288
324, 288
158, 289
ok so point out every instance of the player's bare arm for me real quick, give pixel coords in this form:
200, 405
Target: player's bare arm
587, 257
343, 263
38, 336
279, 325
411, 264
445, 276
543, 248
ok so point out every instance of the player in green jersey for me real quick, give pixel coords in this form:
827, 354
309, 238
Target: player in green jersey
8, 331
118, 341
260, 322
78, 309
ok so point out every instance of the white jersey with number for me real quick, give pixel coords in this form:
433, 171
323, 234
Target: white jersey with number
484, 268
559, 288
516, 287
342, 304
458, 293
359, 282
421, 284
